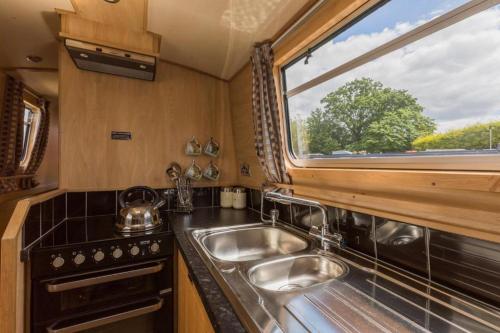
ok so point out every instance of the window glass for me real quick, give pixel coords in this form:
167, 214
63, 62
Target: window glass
27, 123
388, 21
31, 123
436, 96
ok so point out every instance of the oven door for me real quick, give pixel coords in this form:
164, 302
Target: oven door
151, 316
105, 300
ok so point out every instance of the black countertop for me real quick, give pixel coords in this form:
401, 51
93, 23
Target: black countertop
219, 310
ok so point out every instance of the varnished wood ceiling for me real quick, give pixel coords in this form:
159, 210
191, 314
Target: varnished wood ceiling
216, 36
30, 28
212, 36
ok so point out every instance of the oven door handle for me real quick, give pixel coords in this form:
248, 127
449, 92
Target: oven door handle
64, 286
108, 319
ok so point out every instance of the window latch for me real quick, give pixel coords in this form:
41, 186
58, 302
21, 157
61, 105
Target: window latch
308, 55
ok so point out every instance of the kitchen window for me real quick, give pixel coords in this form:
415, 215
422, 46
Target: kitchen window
31, 122
410, 84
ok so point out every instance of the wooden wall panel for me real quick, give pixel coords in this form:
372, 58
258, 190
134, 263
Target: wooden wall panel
76, 27
240, 91
162, 115
127, 14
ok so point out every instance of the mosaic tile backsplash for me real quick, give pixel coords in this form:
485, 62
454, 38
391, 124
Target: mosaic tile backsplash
463, 263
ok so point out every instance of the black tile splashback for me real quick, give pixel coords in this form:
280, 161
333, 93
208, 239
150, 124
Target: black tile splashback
256, 199
32, 225
402, 244
477, 263
202, 197
76, 202
301, 216
285, 214
47, 215
358, 232
101, 203
44, 216
469, 265
59, 208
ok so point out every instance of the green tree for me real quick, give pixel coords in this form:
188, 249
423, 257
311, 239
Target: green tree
363, 115
396, 131
476, 136
323, 133
298, 132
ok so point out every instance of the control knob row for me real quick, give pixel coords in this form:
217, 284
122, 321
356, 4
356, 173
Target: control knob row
58, 261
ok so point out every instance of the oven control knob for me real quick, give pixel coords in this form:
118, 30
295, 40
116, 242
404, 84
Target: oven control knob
57, 262
154, 248
117, 253
98, 256
134, 250
79, 259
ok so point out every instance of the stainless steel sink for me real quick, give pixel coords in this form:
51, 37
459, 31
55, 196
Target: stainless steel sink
292, 273
245, 244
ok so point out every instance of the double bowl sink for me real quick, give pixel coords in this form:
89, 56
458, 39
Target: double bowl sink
271, 258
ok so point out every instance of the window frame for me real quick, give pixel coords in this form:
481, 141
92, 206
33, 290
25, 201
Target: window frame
458, 162
33, 133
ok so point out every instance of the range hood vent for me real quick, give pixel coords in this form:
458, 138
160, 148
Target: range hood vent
108, 60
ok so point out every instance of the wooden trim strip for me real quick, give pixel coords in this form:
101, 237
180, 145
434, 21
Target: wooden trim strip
17, 176
12, 277
440, 217
109, 44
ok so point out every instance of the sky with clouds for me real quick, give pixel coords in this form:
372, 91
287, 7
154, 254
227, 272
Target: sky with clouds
454, 73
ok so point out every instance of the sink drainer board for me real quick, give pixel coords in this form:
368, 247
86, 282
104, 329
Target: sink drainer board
299, 288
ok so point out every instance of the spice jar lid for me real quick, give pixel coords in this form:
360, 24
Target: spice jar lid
239, 190
227, 189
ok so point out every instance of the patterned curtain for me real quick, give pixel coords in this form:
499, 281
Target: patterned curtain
266, 116
12, 176
11, 134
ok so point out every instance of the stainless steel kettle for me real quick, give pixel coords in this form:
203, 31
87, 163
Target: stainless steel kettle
140, 214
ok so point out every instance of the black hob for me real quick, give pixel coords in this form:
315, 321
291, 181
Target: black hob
82, 244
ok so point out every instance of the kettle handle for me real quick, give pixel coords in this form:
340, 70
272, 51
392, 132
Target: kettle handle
125, 193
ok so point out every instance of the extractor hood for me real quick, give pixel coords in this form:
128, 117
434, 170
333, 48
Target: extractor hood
108, 60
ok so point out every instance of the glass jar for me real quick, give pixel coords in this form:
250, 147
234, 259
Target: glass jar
239, 198
226, 197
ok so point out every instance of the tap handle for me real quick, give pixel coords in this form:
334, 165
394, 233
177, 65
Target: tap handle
274, 214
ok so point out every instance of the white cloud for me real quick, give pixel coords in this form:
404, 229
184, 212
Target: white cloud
454, 73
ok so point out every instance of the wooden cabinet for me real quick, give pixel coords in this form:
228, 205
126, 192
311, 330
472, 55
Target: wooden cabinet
191, 314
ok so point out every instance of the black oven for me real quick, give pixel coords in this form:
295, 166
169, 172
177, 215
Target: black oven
131, 298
